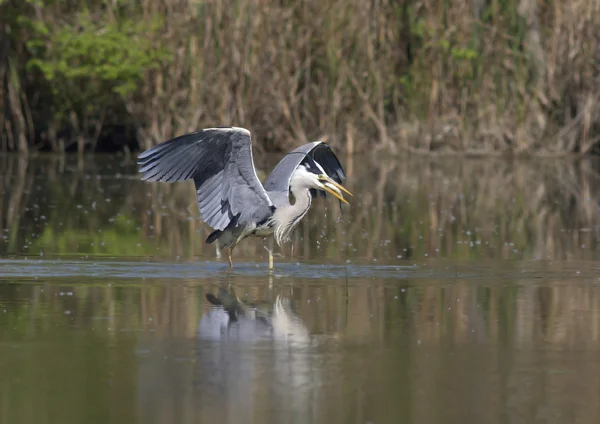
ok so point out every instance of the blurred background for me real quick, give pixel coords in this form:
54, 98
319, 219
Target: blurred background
477, 76
460, 285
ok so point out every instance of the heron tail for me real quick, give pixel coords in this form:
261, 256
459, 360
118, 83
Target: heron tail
213, 299
213, 236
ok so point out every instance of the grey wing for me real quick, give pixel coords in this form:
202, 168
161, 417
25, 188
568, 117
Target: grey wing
219, 160
307, 155
324, 156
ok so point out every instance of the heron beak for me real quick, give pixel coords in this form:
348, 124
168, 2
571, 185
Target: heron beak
335, 192
327, 181
331, 187
339, 186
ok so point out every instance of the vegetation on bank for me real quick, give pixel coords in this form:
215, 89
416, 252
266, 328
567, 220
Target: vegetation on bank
472, 76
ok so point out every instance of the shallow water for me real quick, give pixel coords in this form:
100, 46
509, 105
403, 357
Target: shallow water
445, 293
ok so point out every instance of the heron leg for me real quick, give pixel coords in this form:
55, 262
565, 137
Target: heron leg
270, 254
229, 256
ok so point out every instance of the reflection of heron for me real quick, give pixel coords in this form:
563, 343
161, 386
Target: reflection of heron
252, 321
286, 325
252, 357
230, 197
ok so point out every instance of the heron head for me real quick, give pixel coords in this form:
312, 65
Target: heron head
303, 177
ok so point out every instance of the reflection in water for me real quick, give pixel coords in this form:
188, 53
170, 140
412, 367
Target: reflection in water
464, 336
425, 350
233, 319
260, 351
414, 208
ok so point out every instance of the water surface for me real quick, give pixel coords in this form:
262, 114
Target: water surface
447, 292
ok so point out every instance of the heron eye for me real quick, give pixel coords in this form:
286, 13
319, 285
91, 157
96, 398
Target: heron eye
321, 177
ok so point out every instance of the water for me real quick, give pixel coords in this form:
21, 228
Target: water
448, 292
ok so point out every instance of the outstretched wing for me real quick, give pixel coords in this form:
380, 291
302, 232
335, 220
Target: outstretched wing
219, 160
316, 156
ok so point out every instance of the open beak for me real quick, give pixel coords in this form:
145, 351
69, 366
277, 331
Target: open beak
338, 186
335, 189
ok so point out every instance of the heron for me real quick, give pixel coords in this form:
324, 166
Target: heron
230, 197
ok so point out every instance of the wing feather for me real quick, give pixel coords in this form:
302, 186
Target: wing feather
222, 220
220, 162
214, 201
167, 157
307, 154
324, 156
212, 193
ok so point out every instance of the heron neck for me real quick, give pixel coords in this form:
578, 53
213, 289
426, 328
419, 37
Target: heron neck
288, 217
302, 201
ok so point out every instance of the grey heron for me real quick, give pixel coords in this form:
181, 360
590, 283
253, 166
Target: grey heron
230, 197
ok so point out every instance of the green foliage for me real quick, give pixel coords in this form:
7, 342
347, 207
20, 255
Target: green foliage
111, 56
463, 53
292, 70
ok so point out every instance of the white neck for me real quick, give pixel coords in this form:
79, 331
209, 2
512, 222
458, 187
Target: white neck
286, 218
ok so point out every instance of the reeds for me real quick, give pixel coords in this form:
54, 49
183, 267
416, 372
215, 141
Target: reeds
495, 77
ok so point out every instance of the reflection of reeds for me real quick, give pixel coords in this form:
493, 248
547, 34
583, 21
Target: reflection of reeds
560, 312
519, 343
409, 337
410, 209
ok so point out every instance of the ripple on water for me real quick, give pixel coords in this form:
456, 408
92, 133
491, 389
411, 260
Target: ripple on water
94, 268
